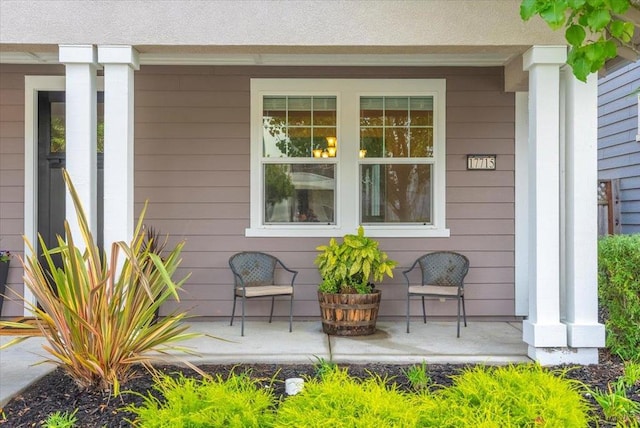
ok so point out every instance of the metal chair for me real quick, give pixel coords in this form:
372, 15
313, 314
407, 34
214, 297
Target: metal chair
254, 275
443, 275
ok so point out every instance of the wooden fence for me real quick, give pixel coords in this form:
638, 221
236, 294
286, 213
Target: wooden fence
608, 207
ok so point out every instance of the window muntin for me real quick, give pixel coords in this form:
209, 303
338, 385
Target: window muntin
396, 126
405, 125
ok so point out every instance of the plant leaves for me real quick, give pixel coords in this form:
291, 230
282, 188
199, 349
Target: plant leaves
575, 35
554, 14
598, 19
619, 6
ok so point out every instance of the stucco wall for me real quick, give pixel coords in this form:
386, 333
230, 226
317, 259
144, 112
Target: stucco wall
192, 163
231, 24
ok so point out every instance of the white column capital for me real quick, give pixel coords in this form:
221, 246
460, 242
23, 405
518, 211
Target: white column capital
544, 55
119, 54
77, 54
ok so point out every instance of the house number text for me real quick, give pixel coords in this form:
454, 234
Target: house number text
486, 162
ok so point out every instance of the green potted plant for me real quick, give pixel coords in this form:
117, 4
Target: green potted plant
5, 258
348, 300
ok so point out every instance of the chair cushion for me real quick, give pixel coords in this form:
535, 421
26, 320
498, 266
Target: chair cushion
434, 290
266, 290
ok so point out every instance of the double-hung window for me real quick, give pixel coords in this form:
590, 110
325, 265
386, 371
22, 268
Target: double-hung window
330, 154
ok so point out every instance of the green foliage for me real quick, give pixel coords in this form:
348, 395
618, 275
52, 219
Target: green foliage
61, 420
235, 402
323, 367
418, 376
338, 400
631, 374
98, 317
616, 406
518, 396
348, 267
619, 292
594, 29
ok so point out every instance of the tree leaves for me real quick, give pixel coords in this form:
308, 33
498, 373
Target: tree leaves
592, 30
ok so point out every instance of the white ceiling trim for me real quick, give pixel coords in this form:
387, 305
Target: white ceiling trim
463, 59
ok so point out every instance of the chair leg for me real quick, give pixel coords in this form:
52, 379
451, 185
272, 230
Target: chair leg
458, 316
242, 328
424, 313
408, 306
233, 311
291, 315
464, 311
273, 299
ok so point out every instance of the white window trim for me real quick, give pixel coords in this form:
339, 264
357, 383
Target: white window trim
348, 92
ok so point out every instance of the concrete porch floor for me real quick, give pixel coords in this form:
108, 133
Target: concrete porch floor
434, 342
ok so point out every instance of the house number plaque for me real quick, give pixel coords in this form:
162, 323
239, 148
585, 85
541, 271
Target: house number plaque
482, 162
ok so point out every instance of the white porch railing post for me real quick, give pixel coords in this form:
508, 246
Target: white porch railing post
119, 64
81, 131
581, 219
543, 329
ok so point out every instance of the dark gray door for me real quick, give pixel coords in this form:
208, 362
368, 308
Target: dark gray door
51, 160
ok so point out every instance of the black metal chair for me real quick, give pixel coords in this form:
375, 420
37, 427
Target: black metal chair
443, 274
254, 275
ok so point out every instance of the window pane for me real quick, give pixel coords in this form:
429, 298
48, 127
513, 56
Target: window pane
294, 126
396, 111
421, 142
396, 143
395, 193
371, 111
371, 140
299, 193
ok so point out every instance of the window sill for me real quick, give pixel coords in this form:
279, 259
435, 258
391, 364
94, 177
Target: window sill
335, 231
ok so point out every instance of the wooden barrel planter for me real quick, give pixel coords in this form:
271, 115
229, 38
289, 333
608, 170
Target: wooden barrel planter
349, 314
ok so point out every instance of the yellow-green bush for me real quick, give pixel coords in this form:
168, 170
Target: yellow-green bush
509, 396
338, 400
235, 402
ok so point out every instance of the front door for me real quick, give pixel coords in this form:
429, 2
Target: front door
51, 160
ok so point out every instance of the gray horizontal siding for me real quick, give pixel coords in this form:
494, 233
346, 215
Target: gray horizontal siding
192, 153
618, 150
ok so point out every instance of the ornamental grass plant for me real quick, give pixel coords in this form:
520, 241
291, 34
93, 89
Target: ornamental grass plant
97, 316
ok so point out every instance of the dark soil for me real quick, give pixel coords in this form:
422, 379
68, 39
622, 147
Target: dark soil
57, 392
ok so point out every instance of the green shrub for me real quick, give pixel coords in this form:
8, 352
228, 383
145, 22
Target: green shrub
338, 400
61, 420
619, 292
418, 376
519, 396
237, 402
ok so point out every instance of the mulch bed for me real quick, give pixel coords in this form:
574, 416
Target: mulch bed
57, 392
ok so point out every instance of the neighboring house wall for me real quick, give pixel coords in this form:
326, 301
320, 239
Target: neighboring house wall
618, 145
192, 157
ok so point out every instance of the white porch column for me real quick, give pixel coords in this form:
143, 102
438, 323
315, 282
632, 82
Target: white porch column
581, 217
81, 129
119, 64
543, 329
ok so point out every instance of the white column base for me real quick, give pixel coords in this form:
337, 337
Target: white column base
556, 356
544, 335
585, 335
